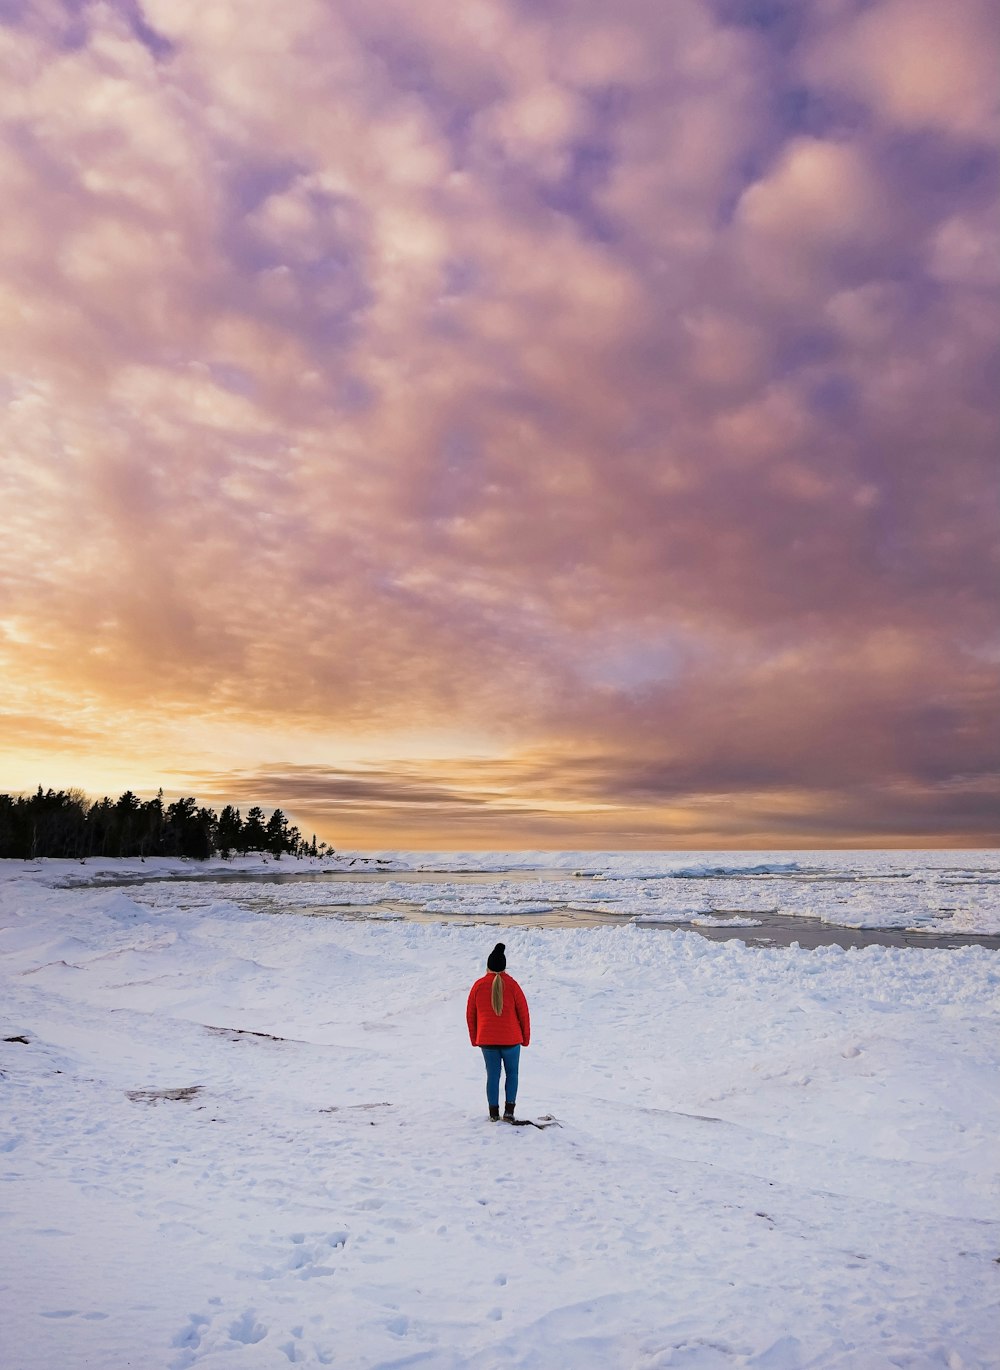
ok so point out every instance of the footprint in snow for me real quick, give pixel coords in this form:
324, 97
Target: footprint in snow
308, 1267
299, 1354
187, 1341
244, 1331
307, 1260
247, 1330
190, 1336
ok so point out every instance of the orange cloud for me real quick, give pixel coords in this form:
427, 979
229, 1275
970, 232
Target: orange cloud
403, 382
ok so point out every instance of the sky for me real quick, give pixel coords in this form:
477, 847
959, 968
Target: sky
485, 423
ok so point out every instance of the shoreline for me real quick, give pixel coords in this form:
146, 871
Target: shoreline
557, 897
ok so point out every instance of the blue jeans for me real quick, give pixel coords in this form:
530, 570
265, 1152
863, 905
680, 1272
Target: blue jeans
493, 1056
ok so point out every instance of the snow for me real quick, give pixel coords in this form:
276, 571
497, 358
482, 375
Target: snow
734, 922
234, 1139
940, 893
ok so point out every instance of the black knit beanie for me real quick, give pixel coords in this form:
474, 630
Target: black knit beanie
497, 960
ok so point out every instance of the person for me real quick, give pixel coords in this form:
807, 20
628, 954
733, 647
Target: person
499, 1024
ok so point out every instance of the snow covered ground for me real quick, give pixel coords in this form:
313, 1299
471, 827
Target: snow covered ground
231, 1139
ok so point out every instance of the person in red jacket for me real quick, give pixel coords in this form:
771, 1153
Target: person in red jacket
497, 1015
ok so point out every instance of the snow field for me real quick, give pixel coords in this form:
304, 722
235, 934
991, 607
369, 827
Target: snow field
772, 1159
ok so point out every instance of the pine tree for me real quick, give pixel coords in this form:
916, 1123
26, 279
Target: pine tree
278, 837
64, 823
254, 833
230, 831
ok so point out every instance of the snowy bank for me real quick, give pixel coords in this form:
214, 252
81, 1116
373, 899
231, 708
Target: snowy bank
234, 1140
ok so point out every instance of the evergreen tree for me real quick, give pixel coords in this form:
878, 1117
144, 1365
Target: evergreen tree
276, 834
151, 827
190, 829
9, 827
126, 815
230, 831
63, 823
254, 832
100, 828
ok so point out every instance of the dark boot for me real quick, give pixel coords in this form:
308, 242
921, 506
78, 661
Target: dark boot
508, 1111
494, 1113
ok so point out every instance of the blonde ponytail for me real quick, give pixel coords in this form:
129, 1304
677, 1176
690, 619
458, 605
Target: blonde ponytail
496, 996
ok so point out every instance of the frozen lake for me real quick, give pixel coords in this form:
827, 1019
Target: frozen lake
848, 899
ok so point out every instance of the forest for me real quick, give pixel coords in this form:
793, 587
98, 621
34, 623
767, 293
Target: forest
65, 823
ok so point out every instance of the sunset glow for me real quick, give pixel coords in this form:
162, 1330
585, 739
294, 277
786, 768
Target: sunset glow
482, 424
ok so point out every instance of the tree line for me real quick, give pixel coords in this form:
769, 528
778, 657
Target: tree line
65, 823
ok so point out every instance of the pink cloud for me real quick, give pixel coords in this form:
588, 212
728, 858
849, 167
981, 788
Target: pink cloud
581, 387
920, 65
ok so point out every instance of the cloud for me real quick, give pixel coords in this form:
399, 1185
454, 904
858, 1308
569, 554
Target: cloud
530, 384
44, 734
919, 65
962, 250
600, 801
821, 198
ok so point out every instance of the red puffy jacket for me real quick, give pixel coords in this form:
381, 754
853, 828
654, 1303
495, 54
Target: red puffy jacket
511, 1028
